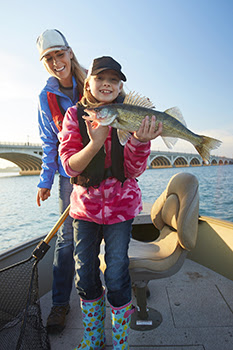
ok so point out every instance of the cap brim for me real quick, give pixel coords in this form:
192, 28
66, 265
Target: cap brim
121, 75
55, 48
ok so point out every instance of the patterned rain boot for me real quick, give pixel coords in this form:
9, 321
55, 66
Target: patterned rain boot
121, 317
93, 314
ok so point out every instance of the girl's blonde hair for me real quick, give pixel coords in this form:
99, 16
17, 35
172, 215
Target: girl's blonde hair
88, 100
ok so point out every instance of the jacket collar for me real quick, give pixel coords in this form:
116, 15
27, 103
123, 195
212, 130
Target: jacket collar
52, 85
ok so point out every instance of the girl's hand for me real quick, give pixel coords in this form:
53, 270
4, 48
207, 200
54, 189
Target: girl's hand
42, 195
147, 131
97, 132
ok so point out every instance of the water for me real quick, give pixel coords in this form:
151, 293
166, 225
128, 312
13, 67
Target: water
21, 219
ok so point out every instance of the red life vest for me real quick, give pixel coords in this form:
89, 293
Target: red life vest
57, 115
56, 109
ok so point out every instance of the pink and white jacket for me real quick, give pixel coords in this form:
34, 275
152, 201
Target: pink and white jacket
111, 202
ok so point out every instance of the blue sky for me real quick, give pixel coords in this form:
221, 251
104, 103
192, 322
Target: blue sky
176, 52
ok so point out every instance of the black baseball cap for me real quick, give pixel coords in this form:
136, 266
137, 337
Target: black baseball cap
103, 63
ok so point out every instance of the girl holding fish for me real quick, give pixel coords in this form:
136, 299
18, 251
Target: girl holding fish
105, 200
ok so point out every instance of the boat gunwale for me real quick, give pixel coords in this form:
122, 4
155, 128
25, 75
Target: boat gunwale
222, 222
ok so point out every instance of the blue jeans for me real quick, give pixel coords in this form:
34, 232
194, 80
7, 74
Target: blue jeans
63, 264
88, 236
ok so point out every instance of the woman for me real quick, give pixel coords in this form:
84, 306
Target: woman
62, 90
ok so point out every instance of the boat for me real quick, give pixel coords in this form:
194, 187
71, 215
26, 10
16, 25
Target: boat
195, 305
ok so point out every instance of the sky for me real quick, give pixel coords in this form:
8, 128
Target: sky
176, 52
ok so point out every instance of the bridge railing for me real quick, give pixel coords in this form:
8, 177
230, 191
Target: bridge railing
20, 144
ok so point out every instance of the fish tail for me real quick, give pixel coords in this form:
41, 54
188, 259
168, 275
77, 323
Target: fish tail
205, 146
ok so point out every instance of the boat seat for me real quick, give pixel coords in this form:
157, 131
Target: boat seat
175, 218
175, 215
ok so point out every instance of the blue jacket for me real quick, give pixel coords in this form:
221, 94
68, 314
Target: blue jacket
48, 131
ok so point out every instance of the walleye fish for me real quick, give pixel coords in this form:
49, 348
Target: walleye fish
127, 117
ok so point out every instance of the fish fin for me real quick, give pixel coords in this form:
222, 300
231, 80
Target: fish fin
169, 141
123, 136
206, 145
133, 98
176, 113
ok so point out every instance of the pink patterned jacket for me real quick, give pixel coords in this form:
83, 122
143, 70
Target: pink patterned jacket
110, 202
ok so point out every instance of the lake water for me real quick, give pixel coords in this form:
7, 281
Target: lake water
21, 219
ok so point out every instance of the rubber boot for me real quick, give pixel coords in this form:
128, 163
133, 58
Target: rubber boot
121, 317
93, 314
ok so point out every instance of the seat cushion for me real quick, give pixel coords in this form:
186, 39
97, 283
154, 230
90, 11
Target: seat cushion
178, 206
158, 255
170, 210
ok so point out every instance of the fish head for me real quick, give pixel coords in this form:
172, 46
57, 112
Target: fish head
102, 115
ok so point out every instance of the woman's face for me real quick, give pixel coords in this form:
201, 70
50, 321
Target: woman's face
58, 64
105, 86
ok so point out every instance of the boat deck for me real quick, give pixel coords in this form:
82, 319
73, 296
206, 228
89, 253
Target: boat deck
196, 306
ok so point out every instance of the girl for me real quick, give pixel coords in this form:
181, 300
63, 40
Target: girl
104, 202
62, 90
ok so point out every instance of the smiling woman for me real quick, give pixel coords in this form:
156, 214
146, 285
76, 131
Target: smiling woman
63, 90
58, 64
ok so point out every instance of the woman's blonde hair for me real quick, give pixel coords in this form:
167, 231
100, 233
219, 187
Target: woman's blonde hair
79, 73
88, 100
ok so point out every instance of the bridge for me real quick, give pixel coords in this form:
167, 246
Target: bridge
163, 159
28, 157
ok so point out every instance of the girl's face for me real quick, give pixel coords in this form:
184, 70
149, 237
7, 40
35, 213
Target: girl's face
105, 86
58, 64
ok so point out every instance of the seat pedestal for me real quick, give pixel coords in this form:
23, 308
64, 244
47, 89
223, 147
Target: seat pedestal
144, 318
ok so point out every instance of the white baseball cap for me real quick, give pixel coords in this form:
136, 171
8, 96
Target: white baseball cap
51, 40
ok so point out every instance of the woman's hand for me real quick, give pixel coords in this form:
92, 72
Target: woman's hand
42, 195
147, 130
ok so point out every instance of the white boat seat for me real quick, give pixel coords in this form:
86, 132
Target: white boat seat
175, 214
159, 255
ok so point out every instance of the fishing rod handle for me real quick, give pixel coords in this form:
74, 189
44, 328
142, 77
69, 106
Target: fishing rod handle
58, 224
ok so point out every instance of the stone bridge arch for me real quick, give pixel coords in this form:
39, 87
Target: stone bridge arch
27, 158
195, 162
180, 162
160, 162
214, 162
